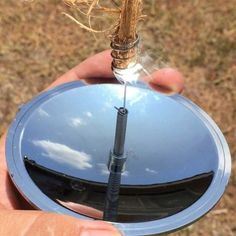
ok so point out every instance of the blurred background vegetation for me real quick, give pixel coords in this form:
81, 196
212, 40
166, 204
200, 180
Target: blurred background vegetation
38, 43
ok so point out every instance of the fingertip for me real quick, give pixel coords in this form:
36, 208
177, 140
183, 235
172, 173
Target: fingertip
98, 233
98, 228
167, 80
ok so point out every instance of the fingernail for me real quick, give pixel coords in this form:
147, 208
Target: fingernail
99, 233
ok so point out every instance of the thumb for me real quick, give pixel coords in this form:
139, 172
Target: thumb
38, 223
166, 80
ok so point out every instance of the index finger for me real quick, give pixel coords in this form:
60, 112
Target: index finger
95, 69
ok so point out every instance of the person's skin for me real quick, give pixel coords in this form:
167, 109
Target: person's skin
17, 217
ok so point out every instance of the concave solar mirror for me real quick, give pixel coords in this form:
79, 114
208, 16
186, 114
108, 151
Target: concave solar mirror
178, 162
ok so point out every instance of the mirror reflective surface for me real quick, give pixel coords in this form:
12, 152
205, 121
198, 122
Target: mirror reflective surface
63, 138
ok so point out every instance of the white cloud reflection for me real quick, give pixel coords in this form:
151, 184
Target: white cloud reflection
137, 98
76, 122
151, 171
125, 173
43, 113
88, 114
64, 154
133, 94
80, 121
104, 170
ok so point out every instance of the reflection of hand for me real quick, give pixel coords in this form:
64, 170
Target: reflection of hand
96, 69
82, 209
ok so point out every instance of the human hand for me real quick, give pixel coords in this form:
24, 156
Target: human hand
14, 221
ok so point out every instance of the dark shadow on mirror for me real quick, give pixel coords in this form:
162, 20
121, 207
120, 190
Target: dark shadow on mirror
137, 203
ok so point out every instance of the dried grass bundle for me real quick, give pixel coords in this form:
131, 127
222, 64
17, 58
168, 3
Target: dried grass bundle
123, 33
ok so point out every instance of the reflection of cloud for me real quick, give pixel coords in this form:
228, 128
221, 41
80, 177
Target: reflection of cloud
75, 122
137, 98
88, 114
104, 170
78, 121
43, 113
133, 95
64, 154
150, 171
125, 173
109, 104
157, 98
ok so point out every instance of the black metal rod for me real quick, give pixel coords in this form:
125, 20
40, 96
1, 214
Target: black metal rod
116, 167
112, 197
121, 124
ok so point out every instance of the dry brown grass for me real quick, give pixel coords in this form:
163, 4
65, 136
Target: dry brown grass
37, 44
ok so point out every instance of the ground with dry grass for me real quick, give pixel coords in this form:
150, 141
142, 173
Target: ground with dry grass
37, 44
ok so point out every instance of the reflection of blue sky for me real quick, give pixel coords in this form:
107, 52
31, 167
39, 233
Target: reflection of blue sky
165, 141
63, 154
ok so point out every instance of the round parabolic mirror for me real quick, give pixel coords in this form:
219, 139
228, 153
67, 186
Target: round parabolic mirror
178, 162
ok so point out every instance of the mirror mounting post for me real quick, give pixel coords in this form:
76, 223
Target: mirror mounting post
116, 166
